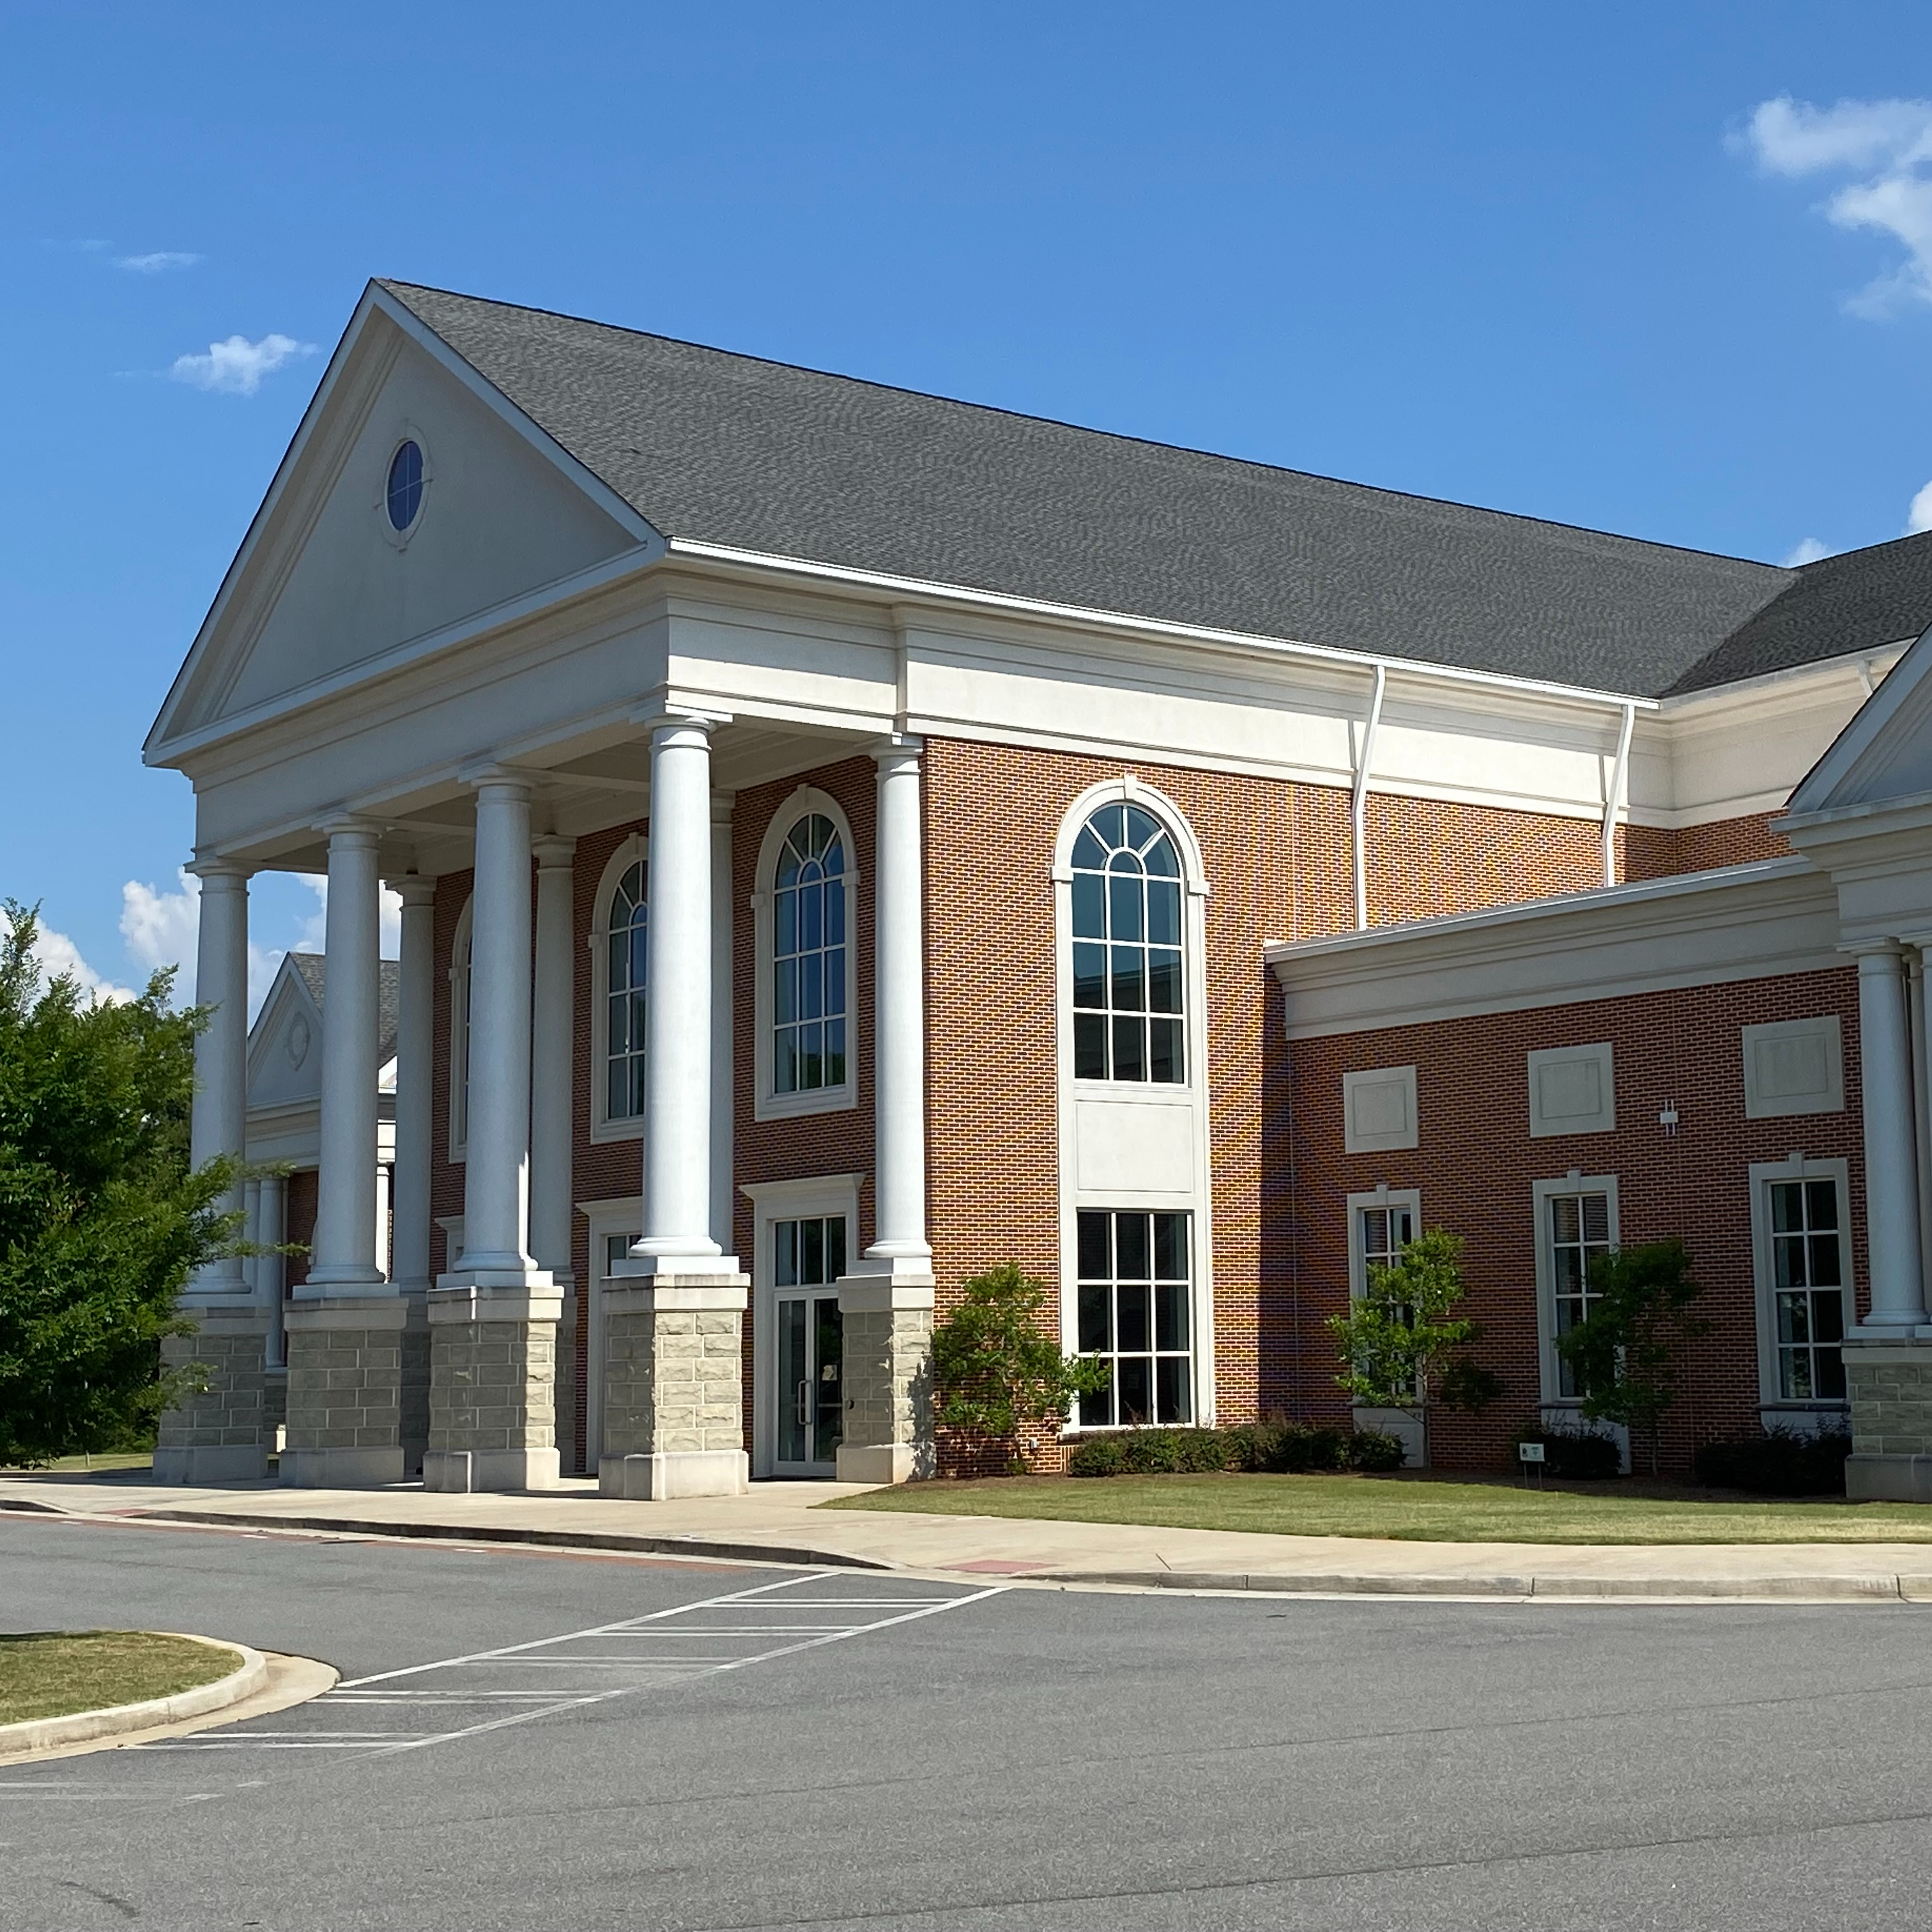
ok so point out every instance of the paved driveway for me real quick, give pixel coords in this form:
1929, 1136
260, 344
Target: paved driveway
527, 1740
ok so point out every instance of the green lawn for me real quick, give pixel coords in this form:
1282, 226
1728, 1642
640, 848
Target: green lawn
48, 1673
1424, 1511
131, 1458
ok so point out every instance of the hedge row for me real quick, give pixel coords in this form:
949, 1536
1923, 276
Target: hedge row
1271, 1447
1780, 1462
1574, 1454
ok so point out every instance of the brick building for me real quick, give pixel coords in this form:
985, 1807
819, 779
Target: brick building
847, 838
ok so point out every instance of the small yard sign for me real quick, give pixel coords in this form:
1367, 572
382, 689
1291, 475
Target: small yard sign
1529, 1452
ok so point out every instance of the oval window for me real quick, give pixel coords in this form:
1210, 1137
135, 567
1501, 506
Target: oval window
406, 486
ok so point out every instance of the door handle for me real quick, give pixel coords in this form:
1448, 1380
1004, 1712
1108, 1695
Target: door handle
804, 1404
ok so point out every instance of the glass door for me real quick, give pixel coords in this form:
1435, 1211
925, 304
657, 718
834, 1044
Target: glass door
809, 1387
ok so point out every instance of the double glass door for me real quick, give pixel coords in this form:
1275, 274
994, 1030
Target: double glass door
809, 1388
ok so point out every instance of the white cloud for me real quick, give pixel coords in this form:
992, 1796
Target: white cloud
1889, 142
157, 262
1919, 516
235, 367
1806, 550
55, 954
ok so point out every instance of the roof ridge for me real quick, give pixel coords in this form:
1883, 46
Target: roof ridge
1555, 526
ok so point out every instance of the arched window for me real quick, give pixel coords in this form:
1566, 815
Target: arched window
624, 996
808, 962
1129, 998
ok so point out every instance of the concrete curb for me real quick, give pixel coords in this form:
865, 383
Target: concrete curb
45, 1734
1882, 1588
547, 1539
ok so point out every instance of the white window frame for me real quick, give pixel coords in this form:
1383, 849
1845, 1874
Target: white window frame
459, 1024
1197, 1199
774, 1201
622, 1214
768, 1104
1541, 1193
1383, 1197
1774, 1406
1395, 1139
603, 1127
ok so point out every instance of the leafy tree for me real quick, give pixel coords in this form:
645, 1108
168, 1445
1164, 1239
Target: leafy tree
1397, 1337
996, 1373
101, 1217
1626, 1351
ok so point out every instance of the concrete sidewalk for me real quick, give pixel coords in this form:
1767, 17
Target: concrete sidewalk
777, 1522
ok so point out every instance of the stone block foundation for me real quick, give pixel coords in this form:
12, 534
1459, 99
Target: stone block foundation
1890, 1385
673, 1387
345, 1392
492, 1389
220, 1435
887, 1378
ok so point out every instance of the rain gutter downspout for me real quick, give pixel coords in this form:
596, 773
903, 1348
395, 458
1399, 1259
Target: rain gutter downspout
1358, 810
1619, 788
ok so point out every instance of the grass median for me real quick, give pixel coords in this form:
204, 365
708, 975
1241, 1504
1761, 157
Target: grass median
50, 1673
1406, 1509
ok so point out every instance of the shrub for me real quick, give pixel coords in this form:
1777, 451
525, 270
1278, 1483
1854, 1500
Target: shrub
1574, 1454
1283, 1448
1375, 1453
1780, 1462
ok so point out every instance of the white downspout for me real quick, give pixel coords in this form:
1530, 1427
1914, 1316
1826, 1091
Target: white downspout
1619, 787
1358, 810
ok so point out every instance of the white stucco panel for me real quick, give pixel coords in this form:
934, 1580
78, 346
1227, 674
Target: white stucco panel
1127, 1149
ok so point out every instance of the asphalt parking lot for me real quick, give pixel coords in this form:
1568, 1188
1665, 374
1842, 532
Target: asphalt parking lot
527, 1740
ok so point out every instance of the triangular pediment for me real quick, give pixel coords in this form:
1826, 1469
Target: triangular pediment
1885, 752
285, 1043
325, 582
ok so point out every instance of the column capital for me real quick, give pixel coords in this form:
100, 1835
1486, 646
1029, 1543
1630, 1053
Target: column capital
229, 872
555, 851
351, 828
1873, 954
413, 890
896, 752
721, 802
487, 774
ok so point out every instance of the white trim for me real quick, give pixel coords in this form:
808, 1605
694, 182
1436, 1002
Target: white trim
459, 1071
1197, 1199
1541, 1192
1079, 614
622, 1215
1380, 1197
603, 1128
1762, 1105
773, 1200
766, 1104
1386, 1140
1796, 1167
1773, 917
1599, 1059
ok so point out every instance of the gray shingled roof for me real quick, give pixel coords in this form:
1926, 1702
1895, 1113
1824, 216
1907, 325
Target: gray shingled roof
728, 449
314, 967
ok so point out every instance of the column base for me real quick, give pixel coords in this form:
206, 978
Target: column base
881, 1463
197, 1468
1888, 1479
341, 1468
887, 1306
668, 1474
475, 1471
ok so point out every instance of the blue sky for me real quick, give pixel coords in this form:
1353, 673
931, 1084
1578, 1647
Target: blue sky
1557, 260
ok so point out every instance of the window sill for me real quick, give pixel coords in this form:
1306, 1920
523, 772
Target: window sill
603, 1132
818, 1100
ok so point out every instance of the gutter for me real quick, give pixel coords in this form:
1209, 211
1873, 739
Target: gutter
1358, 809
1619, 787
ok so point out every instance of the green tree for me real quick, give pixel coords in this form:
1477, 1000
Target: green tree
996, 1373
1396, 1338
101, 1217
1626, 1353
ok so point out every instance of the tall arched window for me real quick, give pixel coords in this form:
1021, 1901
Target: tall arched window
1129, 999
809, 978
624, 993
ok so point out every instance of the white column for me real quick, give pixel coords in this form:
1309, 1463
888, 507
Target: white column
679, 968
723, 1006
218, 1122
344, 1252
899, 1029
553, 1056
271, 1269
414, 1029
496, 1175
1891, 1166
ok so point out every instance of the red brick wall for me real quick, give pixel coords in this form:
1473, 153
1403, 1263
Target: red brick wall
300, 1205
1476, 1163
1657, 852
